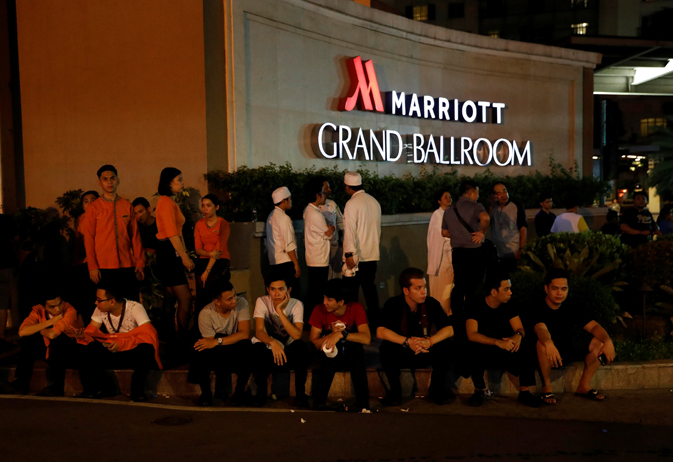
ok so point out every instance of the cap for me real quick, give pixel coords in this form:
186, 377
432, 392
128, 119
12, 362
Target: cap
280, 194
353, 179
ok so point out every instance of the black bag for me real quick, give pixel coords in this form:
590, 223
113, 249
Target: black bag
488, 249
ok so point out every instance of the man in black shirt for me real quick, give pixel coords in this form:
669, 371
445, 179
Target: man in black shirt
496, 334
408, 341
544, 219
147, 224
637, 223
567, 334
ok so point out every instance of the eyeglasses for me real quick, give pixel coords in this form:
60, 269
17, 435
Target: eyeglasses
101, 300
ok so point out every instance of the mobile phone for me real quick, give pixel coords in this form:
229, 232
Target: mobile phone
603, 359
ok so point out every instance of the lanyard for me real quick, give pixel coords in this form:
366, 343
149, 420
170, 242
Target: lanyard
121, 318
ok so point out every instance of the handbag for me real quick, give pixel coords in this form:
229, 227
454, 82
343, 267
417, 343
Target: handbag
488, 248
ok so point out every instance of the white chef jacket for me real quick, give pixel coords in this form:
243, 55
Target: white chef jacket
316, 242
362, 226
279, 237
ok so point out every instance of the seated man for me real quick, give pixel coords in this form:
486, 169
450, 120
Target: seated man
225, 346
277, 344
130, 343
495, 333
343, 327
407, 322
44, 335
567, 334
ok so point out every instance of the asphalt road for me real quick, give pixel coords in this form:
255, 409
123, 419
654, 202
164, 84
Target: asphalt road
33, 429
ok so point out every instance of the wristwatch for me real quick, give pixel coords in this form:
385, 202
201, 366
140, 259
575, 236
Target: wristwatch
344, 334
406, 343
219, 340
348, 254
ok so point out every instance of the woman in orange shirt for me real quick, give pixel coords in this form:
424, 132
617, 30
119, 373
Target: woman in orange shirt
172, 257
211, 234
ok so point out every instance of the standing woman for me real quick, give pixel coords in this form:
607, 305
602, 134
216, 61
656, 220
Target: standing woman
172, 257
440, 262
211, 234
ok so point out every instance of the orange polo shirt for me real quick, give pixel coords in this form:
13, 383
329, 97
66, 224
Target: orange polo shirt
39, 314
170, 219
111, 236
214, 238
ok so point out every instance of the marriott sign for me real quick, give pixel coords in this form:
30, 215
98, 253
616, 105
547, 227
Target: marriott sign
342, 142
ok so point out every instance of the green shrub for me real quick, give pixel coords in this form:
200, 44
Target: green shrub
651, 263
249, 189
643, 349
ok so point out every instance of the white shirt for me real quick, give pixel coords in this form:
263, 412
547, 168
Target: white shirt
134, 316
279, 237
294, 311
362, 226
212, 323
437, 243
316, 242
566, 223
333, 217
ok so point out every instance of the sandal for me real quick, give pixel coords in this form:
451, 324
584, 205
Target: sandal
545, 396
591, 395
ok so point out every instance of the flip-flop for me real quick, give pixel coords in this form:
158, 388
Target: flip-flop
545, 396
592, 395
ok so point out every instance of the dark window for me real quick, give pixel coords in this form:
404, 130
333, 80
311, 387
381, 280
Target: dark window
457, 10
492, 8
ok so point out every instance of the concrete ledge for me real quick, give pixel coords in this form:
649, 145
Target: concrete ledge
620, 376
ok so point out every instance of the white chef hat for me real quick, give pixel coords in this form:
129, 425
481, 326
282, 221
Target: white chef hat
353, 179
279, 194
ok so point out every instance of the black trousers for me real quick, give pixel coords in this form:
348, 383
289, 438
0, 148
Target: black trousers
125, 280
395, 357
351, 357
365, 277
469, 268
223, 359
287, 270
81, 292
298, 358
95, 359
61, 356
490, 357
317, 277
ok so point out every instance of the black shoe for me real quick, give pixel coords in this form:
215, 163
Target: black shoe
529, 399
441, 400
477, 399
260, 399
223, 395
100, 394
205, 400
13, 388
301, 401
49, 392
391, 401
138, 398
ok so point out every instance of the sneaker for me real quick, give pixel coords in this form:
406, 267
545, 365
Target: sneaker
477, 399
529, 399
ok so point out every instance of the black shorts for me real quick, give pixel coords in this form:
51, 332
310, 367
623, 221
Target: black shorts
575, 348
170, 270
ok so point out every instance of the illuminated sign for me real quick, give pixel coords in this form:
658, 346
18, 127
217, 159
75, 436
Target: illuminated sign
333, 141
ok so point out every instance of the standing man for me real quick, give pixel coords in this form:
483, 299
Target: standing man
114, 251
570, 221
544, 219
333, 217
508, 227
406, 331
637, 223
469, 265
440, 268
280, 241
565, 334
317, 236
147, 224
362, 234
